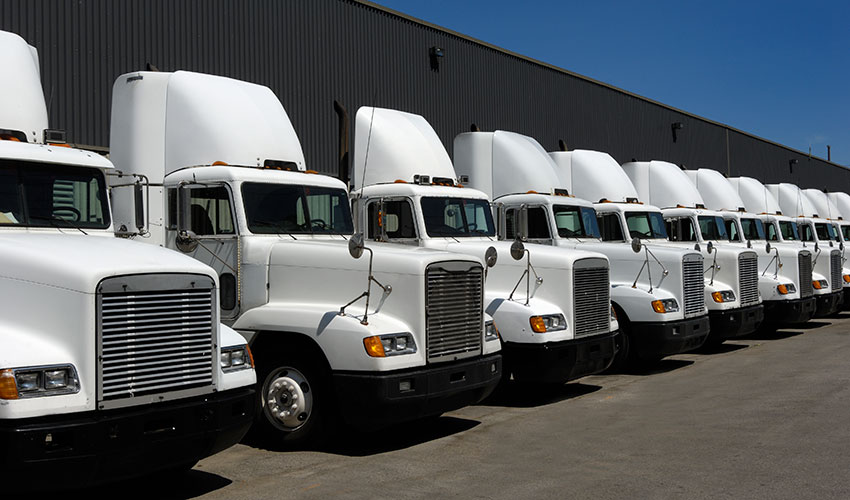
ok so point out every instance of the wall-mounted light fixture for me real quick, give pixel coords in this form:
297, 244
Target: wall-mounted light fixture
791, 164
434, 55
676, 126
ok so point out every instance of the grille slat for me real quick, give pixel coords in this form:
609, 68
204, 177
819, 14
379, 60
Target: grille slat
835, 270
748, 280
454, 311
804, 269
591, 300
693, 285
156, 341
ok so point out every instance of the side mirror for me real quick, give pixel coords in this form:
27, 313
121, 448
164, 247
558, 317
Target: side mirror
817, 249
767, 247
750, 244
184, 210
522, 223
709, 246
491, 256
139, 206
636, 245
517, 249
696, 247
355, 245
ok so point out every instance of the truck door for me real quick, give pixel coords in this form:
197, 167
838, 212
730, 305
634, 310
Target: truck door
216, 242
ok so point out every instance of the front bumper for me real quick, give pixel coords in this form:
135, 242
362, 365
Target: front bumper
86, 449
658, 339
374, 400
733, 323
560, 362
789, 312
829, 303
846, 299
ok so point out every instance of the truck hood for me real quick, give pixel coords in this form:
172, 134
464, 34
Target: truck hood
79, 262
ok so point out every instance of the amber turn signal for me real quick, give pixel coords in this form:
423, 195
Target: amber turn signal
374, 347
8, 386
537, 324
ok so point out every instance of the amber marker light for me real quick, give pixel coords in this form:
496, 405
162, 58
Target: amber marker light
782, 289
816, 284
537, 324
250, 355
374, 347
658, 306
847, 278
8, 386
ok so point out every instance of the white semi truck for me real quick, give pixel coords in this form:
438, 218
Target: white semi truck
827, 209
820, 233
786, 298
396, 335
113, 363
782, 230
732, 283
658, 293
551, 305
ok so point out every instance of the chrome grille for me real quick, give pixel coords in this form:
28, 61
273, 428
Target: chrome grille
693, 285
804, 267
156, 335
748, 279
454, 310
592, 297
835, 270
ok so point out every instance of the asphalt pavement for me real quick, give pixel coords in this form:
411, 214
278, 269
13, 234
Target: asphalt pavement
761, 417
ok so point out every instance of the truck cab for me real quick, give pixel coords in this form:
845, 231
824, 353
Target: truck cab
339, 329
552, 306
825, 206
778, 265
732, 283
818, 233
113, 363
657, 294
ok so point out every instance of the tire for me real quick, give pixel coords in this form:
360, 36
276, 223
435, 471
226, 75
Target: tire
624, 358
294, 403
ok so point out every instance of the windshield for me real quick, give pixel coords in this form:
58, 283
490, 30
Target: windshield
712, 228
753, 229
646, 225
576, 222
457, 217
789, 230
825, 231
294, 209
45, 195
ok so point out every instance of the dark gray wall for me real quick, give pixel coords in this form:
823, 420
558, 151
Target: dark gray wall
311, 52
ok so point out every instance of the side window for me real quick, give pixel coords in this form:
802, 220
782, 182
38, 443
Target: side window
609, 226
538, 226
771, 232
732, 230
510, 225
398, 219
210, 211
681, 229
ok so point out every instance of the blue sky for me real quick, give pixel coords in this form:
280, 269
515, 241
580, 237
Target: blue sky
776, 69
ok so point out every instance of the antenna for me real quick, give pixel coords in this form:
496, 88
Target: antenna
368, 143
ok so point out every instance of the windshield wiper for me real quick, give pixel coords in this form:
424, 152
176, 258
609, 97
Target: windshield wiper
275, 225
52, 219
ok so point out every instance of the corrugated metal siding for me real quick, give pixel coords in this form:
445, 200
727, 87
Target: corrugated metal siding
311, 52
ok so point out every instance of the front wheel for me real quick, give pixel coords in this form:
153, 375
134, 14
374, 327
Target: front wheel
293, 405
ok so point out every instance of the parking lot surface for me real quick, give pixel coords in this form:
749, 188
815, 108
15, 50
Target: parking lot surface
761, 417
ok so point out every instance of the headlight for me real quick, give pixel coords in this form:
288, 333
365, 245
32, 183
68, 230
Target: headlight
665, 306
490, 331
547, 323
37, 381
723, 296
391, 344
818, 284
786, 289
236, 358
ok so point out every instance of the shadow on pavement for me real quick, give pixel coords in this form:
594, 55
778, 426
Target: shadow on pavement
166, 486
515, 394
719, 348
774, 334
811, 325
397, 437
663, 366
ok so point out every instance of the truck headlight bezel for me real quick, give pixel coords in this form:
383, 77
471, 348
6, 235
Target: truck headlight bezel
390, 344
38, 381
491, 332
786, 288
236, 358
547, 323
663, 306
723, 296
820, 284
